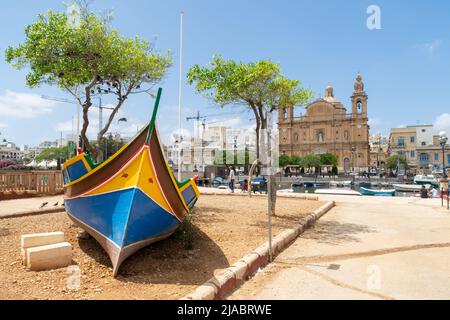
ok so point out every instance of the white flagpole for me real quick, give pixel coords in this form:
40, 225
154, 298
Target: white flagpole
180, 96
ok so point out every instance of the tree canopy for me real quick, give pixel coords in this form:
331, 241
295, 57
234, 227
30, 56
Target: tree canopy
259, 86
87, 60
50, 154
393, 161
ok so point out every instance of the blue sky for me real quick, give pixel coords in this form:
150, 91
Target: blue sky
405, 65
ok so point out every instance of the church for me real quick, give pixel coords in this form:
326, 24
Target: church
327, 127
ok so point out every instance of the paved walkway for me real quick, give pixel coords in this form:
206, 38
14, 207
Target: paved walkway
365, 248
9, 207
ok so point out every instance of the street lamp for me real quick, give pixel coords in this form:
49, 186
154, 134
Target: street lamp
443, 142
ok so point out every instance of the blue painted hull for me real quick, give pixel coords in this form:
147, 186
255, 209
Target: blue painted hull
123, 221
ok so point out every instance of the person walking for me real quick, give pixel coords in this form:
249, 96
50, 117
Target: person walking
232, 179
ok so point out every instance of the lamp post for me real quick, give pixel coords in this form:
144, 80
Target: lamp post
443, 142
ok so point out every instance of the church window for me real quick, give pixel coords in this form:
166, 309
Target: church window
359, 107
296, 137
285, 114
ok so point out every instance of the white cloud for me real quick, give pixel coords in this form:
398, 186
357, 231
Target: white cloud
430, 48
442, 123
23, 105
3, 125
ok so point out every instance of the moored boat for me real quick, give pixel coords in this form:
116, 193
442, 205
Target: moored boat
409, 187
132, 199
426, 180
374, 192
340, 192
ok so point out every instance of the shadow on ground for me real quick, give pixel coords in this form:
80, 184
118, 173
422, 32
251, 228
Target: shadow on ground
334, 232
166, 262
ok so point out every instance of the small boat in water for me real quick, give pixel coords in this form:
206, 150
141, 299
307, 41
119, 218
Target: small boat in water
339, 192
409, 187
373, 192
424, 180
132, 199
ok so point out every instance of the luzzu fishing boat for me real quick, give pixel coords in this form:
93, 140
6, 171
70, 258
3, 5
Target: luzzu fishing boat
132, 199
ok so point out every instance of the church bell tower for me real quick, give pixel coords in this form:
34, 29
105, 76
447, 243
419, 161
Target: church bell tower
359, 98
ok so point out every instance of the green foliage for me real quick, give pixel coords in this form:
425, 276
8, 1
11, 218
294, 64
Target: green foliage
87, 60
254, 84
296, 161
50, 154
393, 161
284, 161
232, 158
258, 85
311, 161
328, 159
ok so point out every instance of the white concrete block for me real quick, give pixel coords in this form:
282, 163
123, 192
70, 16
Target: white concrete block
37, 240
49, 257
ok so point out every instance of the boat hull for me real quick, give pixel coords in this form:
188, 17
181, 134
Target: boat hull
371, 192
122, 222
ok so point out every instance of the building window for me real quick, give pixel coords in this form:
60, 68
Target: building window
296, 137
412, 139
448, 159
436, 156
413, 154
424, 158
424, 143
401, 142
285, 114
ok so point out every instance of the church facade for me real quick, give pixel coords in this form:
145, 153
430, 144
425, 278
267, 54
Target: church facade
327, 127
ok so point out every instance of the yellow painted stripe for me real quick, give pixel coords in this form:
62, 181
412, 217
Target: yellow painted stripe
138, 173
126, 178
148, 183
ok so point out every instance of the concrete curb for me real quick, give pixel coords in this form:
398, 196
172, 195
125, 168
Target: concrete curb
32, 213
231, 278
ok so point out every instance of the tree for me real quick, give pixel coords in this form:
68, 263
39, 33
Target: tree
284, 161
328, 159
296, 161
50, 154
311, 161
259, 86
88, 59
393, 162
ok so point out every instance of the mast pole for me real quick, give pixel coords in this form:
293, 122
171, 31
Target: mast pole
180, 96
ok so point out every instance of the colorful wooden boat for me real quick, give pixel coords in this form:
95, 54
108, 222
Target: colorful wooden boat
374, 192
132, 199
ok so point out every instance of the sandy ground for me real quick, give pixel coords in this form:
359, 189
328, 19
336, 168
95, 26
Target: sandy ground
224, 230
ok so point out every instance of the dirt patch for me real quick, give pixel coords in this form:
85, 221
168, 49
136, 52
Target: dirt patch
223, 230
